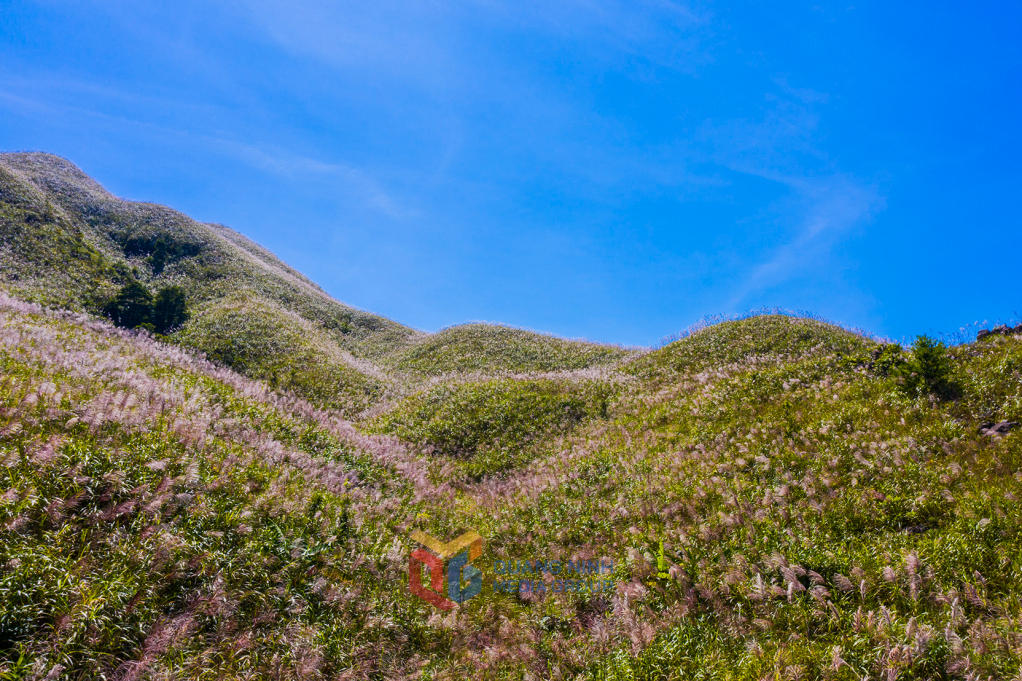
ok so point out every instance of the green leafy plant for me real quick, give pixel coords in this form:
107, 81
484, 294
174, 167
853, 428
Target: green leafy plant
135, 308
887, 358
132, 307
170, 309
928, 370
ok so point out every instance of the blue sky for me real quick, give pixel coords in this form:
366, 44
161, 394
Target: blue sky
601, 169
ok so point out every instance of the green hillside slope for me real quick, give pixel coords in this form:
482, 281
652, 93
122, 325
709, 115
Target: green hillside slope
779, 498
788, 514
66, 242
161, 516
493, 349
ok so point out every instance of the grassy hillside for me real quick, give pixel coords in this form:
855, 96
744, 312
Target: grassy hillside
780, 337
784, 513
780, 498
264, 340
66, 242
492, 349
487, 427
163, 517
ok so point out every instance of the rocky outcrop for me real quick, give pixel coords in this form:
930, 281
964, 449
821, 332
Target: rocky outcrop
997, 429
1002, 330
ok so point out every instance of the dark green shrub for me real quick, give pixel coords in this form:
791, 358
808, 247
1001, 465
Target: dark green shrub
928, 372
160, 250
135, 308
887, 359
158, 259
170, 309
132, 307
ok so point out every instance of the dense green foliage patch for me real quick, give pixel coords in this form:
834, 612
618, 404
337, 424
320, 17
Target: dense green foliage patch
495, 425
134, 307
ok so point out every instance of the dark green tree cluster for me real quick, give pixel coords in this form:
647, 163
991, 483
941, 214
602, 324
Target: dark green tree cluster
161, 250
136, 308
929, 369
158, 259
926, 370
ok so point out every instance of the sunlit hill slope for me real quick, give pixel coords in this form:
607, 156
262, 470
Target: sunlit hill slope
233, 499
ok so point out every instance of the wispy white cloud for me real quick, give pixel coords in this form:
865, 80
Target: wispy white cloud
296, 166
663, 32
484, 68
50, 97
438, 43
822, 204
385, 41
433, 46
825, 210
802, 94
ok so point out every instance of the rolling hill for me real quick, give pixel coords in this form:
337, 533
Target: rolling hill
775, 497
66, 242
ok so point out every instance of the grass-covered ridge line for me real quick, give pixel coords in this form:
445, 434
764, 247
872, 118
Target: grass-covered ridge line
66, 242
492, 349
779, 336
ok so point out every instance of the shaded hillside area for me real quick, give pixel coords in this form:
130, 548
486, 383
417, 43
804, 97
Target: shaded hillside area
779, 498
